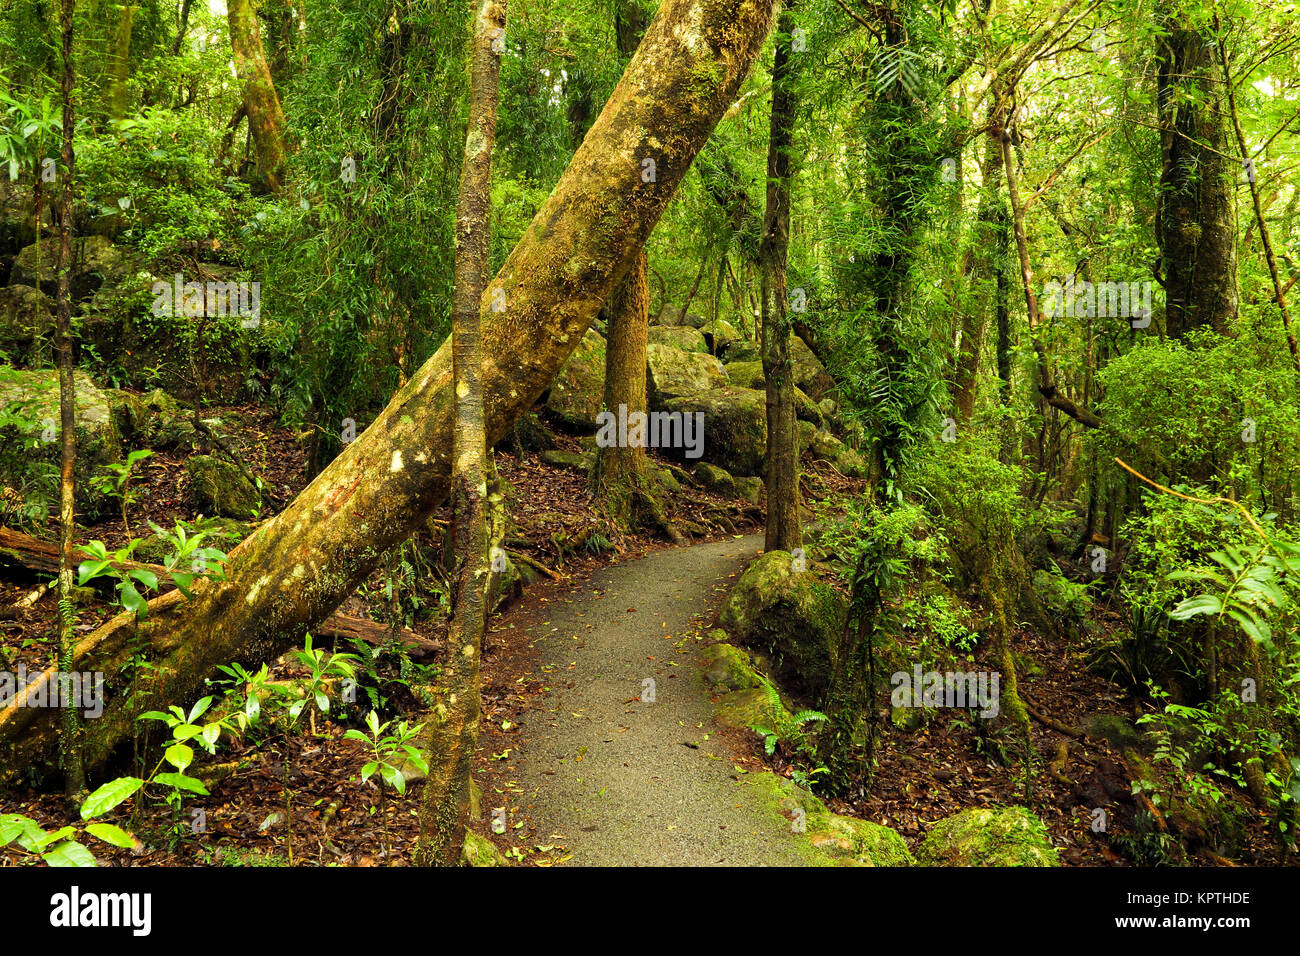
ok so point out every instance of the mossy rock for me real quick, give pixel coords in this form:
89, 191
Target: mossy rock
572, 460
480, 851
715, 479
218, 487
992, 836
679, 337
744, 351
847, 462
30, 446
95, 262
735, 426
670, 316
728, 666
1115, 730
785, 797
750, 708
676, 373
789, 614
809, 373
746, 375
578, 392
857, 842
719, 335
26, 323
750, 489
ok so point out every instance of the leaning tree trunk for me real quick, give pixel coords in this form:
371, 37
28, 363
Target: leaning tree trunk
783, 531
453, 724
1197, 231
265, 117
74, 777
303, 563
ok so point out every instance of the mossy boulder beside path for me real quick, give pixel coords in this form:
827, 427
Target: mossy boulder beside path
781, 608
991, 836
29, 442
578, 392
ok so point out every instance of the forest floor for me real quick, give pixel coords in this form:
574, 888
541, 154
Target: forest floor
585, 770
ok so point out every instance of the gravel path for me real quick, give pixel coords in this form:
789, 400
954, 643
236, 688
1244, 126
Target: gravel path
622, 781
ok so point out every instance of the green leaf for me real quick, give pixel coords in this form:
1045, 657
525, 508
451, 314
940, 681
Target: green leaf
132, 601
13, 825
180, 756
69, 853
111, 834
1202, 604
181, 782
394, 777
145, 577
109, 795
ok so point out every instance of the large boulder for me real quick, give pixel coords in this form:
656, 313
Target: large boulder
735, 426
95, 262
746, 374
720, 335
809, 373
671, 316
782, 609
26, 318
578, 392
674, 373
155, 420
853, 842
847, 462
991, 836
29, 437
218, 487
679, 337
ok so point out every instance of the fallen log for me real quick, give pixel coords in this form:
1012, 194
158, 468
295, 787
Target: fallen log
22, 557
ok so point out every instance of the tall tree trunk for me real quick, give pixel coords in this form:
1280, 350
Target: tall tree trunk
1197, 231
985, 272
783, 531
70, 727
619, 477
265, 117
304, 562
453, 725
119, 63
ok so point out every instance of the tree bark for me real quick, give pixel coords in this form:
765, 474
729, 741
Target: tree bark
783, 531
265, 116
119, 62
301, 564
70, 755
1197, 232
990, 221
453, 724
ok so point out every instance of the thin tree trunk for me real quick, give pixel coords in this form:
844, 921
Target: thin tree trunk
1265, 238
783, 529
304, 562
265, 117
70, 727
453, 724
182, 27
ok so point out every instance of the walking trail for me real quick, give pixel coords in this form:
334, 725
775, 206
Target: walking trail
623, 780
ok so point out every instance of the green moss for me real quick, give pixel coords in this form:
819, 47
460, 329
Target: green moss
995, 836
219, 487
480, 851
728, 666
861, 843
789, 614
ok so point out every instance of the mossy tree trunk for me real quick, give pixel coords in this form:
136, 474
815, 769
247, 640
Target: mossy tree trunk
988, 276
70, 727
783, 530
1196, 226
618, 479
119, 62
261, 102
300, 565
453, 724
